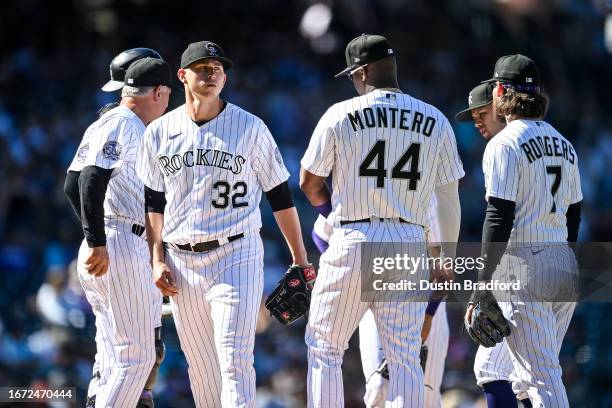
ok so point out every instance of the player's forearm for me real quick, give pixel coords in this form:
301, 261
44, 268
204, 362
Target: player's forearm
289, 224
315, 189
93, 182
495, 234
449, 217
154, 223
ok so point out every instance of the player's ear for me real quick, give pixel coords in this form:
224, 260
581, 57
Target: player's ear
499, 90
181, 75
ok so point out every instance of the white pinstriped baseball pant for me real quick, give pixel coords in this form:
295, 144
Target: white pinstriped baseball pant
215, 313
336, 310
127, 307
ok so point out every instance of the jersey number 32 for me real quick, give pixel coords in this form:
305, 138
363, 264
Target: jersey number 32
374, 165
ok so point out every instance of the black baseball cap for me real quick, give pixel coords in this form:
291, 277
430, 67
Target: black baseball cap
204, 50
516, 69
481, 95
148, 72
120, 64
365, 49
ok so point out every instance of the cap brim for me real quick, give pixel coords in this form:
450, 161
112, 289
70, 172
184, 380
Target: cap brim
227, 63
112, 86
345, 71
466, 114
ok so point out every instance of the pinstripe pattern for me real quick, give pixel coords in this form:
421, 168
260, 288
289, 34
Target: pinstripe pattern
338, 146
510, 175
494, 364
215, 313
530, 163
538, 323
126, 303
220, 290
335, 147
372, 355
190, 216
437, 342
336, 310
121, 126
125, 322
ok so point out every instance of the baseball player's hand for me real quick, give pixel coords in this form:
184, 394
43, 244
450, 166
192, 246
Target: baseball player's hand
163, 279
440, 274
426, 327
484, 320
96, 262
291, 298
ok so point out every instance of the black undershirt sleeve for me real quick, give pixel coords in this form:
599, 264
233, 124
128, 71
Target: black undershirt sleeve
573, 217
71, 189
280, 197
93, 182
155, 201
495, 234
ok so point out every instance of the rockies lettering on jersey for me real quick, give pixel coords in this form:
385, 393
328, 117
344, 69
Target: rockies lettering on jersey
202, 157
212, 175
387, 151
532, 164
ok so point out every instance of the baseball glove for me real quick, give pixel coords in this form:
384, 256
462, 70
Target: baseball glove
487, 325
291, 298
383, 368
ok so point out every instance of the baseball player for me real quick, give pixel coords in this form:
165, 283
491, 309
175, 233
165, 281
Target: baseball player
434, 334
118, 67
388, 152
205, 165
113, 262
534, 197
492, 366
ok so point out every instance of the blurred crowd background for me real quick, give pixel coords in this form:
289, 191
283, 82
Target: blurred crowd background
55, 57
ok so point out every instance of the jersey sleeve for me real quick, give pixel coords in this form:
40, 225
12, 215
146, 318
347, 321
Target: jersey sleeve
147, 165
319, 156
111, 144
500, 166
268, 161
433, 230
450, 167
575, 187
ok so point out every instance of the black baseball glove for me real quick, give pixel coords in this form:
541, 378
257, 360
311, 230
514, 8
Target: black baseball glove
487, 325
383, 368
291, 298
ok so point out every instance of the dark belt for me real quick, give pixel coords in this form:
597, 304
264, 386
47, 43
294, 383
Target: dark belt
368, 220
137, 229
206, 246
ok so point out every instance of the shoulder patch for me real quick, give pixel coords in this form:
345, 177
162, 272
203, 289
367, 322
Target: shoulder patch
278, 156
112, 150
82, 153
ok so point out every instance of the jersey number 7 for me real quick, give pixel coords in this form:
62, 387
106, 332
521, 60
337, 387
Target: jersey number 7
555, 171
377, 155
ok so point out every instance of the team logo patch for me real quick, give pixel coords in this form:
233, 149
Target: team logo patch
278, 157
470, 99
82, 153
310, 274
111, 150
293, 283
211, 49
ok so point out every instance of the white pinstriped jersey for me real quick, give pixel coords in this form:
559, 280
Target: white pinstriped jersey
212, 175
112, 142
387, 152
532, 164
